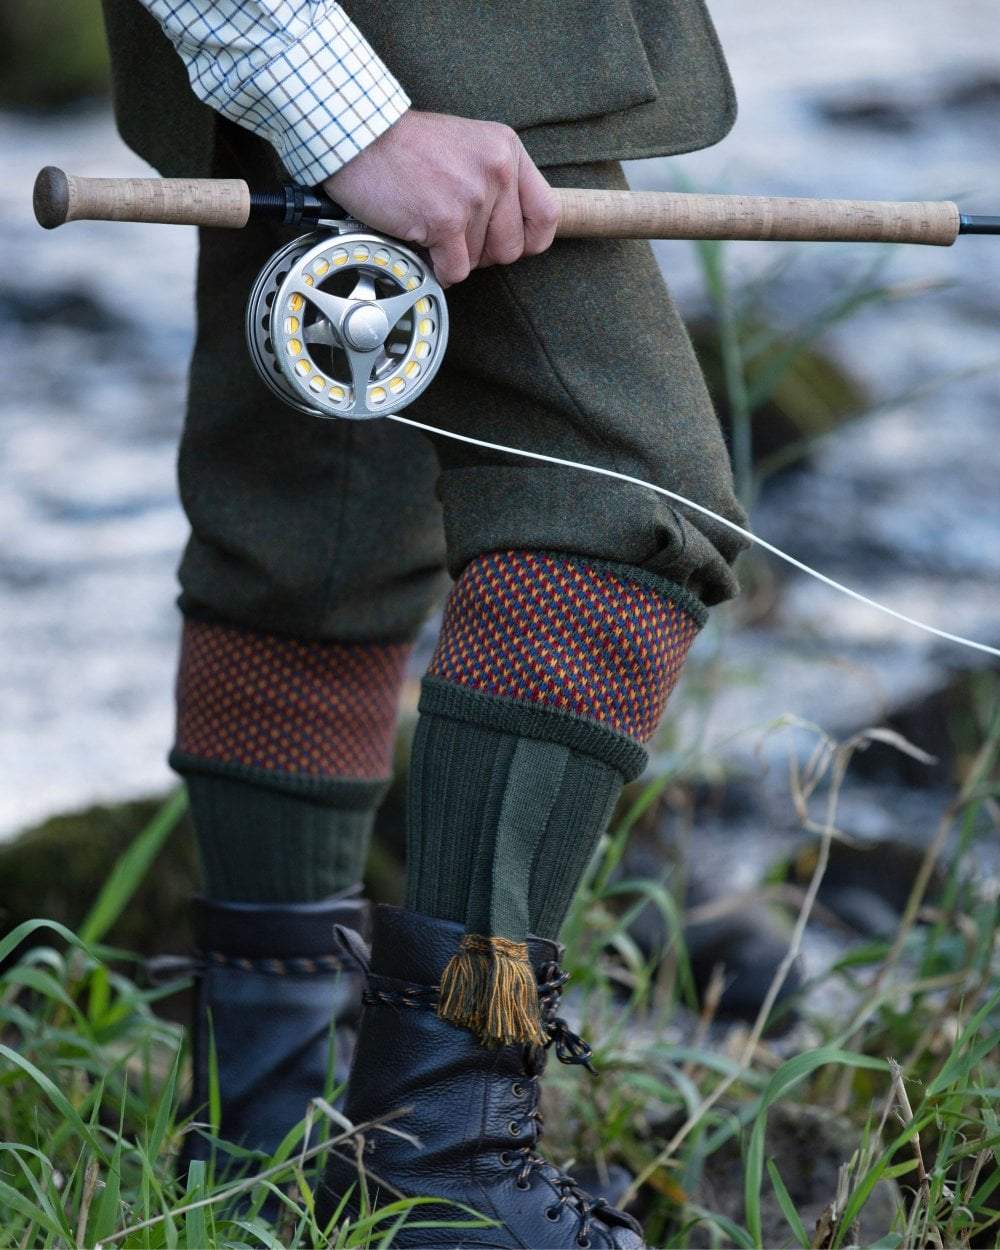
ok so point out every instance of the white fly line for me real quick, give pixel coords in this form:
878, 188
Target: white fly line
689, 503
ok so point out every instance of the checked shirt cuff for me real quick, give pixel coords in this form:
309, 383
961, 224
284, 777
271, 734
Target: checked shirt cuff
297, 72
320, 101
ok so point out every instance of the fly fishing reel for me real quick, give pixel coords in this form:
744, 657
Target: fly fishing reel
347, 324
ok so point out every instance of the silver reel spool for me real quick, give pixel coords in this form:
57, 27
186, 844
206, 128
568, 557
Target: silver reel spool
348, 324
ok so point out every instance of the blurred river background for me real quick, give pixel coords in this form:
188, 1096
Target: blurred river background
867, 98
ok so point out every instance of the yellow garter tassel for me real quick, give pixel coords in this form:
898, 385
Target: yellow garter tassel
489, 986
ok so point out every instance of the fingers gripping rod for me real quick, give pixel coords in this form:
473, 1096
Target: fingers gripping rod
583, 213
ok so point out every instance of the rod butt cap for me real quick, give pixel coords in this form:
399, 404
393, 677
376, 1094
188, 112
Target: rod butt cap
50, 198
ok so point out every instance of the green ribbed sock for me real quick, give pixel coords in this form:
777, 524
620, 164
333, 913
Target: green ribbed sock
501, 828
588, 794
259, 845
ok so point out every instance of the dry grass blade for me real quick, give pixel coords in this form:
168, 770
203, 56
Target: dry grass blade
906, 1118
827, 757
979, 770
90, 1179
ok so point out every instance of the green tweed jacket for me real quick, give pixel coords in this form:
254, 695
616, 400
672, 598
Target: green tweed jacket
580, 80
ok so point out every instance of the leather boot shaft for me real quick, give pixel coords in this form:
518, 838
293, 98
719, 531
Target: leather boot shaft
284, 1007
473, 1109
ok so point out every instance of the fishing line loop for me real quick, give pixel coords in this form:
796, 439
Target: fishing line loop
690, 503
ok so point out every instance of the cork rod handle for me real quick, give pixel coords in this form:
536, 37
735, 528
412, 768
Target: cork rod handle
60, 197
589, 214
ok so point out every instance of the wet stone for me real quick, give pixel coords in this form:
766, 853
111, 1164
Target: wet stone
871, 110
867, 883
48, 307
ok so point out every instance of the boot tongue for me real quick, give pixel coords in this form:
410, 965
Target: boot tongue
542, 951
350, 946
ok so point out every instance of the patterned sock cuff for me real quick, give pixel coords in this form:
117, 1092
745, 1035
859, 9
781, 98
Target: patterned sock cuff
583, 651
300, 716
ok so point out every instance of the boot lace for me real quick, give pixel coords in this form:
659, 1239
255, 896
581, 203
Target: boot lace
569, 1048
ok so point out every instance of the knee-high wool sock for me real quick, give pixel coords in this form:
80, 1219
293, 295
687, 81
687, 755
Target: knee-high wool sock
551, 673
286, 749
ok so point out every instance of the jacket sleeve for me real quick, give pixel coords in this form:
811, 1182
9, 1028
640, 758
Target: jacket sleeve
297, 72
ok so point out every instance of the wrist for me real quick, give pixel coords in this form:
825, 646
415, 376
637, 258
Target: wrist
389, 134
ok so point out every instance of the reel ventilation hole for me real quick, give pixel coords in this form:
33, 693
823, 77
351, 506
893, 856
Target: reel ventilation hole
347, 325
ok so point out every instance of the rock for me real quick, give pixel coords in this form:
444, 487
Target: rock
749, 946
56, 870
903, 108
866, 885
810, 397
942, 722
71, 307
861, 907
747, 943
745, 940
872, 109
981, 91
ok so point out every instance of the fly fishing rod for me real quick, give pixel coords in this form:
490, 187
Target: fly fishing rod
346, 322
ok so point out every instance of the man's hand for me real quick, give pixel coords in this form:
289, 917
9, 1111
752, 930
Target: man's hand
466, 190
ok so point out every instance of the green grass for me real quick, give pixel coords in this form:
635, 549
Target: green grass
91, 1120
915, 1064
92, 1081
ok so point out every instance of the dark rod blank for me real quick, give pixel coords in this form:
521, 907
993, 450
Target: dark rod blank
978, 225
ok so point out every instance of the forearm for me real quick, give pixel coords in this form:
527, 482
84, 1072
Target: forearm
297, 72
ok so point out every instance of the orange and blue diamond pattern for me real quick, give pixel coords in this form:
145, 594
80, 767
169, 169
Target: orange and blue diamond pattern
565, 633
309, 709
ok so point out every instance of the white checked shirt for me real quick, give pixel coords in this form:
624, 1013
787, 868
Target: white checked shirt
297, 72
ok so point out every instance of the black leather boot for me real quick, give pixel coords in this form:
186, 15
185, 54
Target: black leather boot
279, 996
473, 1110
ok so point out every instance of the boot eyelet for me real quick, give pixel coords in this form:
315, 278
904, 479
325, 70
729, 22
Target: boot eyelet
552, 1213
583, 1242
506, 1158
514, 1128
523, 1184
517, 1089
